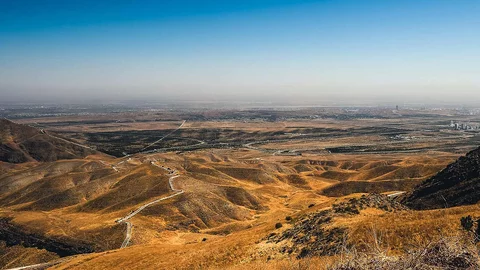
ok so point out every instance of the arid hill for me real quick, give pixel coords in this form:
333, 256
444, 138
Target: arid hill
21, 143
458, 184
228, 212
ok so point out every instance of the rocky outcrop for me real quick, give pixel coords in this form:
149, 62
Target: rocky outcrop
311, 236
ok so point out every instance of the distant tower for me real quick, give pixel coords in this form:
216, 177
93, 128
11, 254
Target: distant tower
397, 107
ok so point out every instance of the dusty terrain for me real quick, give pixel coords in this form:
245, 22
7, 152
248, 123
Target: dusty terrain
253, 182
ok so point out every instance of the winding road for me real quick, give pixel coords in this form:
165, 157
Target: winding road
39, 266
112, 166
128, 235
126, 219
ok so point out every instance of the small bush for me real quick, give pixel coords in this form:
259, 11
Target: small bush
311, 205
288, 218
278, 225
467, 223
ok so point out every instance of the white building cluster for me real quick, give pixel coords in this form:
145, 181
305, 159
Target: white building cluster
463, 126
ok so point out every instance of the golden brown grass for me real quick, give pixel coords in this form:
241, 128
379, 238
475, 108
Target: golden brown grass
16, 256
224, 191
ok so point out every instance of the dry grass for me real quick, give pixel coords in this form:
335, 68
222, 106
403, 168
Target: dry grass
238, 201
405, 230
457, 252
17, 256
288, 264
445, 253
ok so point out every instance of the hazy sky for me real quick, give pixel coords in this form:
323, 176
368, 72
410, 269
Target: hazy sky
425, 50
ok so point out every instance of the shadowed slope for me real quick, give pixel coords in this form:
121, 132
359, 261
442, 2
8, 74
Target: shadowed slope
20, 143
458, 184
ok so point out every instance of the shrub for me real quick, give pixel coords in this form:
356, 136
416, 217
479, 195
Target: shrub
467, 223
288, 218
278, 225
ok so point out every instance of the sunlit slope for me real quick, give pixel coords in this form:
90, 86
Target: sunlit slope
227, 193
210, 181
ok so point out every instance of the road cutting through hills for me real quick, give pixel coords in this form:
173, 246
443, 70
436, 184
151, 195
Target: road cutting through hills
39, 266
128, 234
111, 166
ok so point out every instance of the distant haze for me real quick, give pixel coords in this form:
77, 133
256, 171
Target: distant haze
317, 52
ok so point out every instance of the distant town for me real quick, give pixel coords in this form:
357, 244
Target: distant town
464, 126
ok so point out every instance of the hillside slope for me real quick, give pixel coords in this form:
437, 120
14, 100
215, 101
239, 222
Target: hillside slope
458, 184
20, 143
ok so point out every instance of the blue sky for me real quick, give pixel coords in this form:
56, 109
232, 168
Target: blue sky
372, 51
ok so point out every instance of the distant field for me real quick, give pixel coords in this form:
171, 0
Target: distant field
287, 132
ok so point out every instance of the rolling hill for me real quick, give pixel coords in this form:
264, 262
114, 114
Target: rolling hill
21, 143
232, 201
